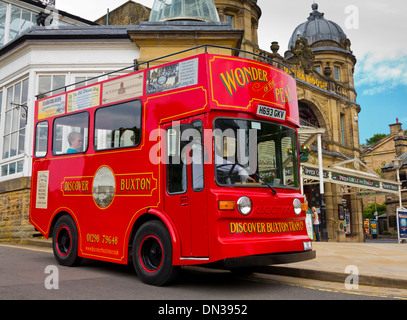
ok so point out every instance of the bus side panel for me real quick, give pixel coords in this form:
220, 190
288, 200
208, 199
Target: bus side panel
40, 215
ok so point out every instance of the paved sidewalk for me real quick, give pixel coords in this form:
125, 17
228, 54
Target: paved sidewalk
378, 264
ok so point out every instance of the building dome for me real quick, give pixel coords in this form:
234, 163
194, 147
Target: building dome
199, 10
317, 28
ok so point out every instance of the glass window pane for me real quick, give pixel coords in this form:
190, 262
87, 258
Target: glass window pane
9, 98
7, 128
6, 147
337, 73
276, 159
21, 141
15, 119
25, 21
1, 102
4, 170
118, 126
81, 84
71, 134
3, 11
44, 85
177, 173
20, 166
58, 82
41, 139
14, 23
197, 158
24, 93
12, 168
13, 144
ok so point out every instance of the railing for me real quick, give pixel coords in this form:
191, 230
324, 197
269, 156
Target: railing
136, 64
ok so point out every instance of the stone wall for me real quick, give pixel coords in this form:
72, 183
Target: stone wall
14, 210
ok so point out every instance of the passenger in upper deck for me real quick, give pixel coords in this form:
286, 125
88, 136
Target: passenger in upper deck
75, 140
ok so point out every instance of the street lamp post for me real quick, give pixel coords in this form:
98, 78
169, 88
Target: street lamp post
324, 232
397, 164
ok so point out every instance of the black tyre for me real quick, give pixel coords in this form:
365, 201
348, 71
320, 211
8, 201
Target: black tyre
65, 242
152, 254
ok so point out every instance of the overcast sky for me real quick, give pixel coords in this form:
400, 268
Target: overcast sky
376, 28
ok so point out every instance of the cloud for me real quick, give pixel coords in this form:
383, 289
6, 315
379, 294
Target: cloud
377, 75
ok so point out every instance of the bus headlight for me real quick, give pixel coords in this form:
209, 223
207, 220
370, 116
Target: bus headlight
297, 206
244, 205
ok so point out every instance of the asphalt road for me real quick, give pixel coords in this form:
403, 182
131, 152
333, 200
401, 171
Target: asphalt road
31, 273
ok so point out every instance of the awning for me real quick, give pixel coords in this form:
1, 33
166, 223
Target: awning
348, 177
338, 173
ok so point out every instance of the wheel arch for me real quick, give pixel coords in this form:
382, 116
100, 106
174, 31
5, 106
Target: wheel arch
150, 215
57, 216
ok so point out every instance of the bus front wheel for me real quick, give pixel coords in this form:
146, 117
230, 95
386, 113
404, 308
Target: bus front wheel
152, 254
65, 242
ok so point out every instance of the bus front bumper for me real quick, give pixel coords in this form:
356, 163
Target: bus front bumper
269, 259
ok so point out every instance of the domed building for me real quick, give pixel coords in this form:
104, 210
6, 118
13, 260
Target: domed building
319, 56
317, 28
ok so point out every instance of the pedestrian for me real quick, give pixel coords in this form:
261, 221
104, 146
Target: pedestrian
315, 221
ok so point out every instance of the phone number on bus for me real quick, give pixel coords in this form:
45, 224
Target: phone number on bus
95, 238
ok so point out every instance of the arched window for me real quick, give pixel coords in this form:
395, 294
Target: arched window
307, 116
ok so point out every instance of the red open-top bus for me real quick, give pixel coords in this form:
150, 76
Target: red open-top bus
191, 162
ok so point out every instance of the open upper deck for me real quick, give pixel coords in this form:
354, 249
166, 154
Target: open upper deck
220, 82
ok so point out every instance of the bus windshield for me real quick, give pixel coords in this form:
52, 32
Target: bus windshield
255, 153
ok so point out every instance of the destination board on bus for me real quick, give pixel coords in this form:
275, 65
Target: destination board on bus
243, 83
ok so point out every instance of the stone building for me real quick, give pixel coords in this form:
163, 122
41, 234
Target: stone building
379, 157
41, 50
319, 55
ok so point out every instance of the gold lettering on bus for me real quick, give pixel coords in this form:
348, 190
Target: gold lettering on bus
265, 227
138, 184
76, 186
284, 95
240, 77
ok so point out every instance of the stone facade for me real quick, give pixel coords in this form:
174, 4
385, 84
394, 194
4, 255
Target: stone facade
129, 13
14, 208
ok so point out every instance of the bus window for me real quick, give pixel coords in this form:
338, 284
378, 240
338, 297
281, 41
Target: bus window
118, 126
288, 174
70, 134
41, 139
276, 162
185, 147
197, 156
176, 162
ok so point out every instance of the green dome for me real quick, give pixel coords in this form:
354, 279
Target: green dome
200, 10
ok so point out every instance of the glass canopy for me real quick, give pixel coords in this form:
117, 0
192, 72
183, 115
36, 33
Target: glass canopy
201, 10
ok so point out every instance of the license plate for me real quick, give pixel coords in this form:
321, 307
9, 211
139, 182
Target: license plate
271, 112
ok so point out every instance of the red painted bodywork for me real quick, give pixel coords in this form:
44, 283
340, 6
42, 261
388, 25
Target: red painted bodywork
200, 232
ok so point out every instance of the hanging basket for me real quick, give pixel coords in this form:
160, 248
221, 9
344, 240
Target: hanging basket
304, 156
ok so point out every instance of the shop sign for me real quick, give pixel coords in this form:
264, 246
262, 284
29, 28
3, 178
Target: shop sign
402, 223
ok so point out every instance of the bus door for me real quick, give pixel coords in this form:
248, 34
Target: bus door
186, 196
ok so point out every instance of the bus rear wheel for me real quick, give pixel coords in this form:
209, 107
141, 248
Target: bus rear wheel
65, 242
152, 254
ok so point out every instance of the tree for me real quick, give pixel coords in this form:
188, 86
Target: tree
377, 137
368, 211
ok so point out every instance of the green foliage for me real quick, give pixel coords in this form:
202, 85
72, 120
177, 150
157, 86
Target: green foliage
377, 137
368, 211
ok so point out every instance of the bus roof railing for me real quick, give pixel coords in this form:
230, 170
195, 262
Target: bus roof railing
136, 65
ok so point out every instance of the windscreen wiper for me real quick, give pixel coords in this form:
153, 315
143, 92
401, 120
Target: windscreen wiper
233, 165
